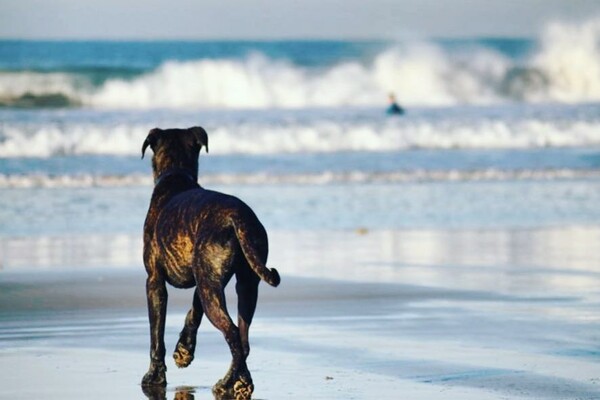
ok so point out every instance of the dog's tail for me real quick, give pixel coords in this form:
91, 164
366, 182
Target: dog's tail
271, 276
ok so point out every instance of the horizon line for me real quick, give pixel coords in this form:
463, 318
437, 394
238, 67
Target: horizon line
263, 39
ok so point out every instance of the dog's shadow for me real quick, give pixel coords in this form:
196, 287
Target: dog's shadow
181, 393
160, 393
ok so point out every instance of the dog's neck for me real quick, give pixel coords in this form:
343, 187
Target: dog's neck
177, 171
168, 183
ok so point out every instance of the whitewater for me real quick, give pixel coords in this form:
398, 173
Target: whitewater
563, 65
285, 115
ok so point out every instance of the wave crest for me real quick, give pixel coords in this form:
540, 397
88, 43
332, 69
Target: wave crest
314, 136
570, 62
564, 68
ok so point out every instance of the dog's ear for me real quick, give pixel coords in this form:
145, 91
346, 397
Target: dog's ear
150, 140
201, 136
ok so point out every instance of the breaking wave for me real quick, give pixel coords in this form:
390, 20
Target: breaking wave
565, 67
314, 136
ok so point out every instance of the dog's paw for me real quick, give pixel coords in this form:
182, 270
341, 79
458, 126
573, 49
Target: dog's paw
220, 391
183, 356
156, 376
242, 390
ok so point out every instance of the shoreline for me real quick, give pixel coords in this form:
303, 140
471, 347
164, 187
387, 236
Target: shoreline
311, 338
472, 314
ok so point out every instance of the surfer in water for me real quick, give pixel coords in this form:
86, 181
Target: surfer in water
394, 108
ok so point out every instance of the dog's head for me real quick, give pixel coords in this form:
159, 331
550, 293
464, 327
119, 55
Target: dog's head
175, 149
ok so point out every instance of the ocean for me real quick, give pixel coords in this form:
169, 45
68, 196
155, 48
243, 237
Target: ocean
446, 253
498, 132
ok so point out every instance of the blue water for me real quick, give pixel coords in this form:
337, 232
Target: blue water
280, 74
492, 137
138, 56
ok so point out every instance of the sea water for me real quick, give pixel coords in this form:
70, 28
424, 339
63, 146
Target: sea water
498, 133
481, 203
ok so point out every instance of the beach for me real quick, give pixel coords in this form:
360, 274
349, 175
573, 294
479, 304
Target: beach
445, 253
513, 321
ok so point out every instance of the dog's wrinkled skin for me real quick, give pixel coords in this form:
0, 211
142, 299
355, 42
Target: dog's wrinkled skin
197, 237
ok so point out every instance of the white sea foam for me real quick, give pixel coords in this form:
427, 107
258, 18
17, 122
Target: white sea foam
565, 68
15, 84
322, 178
570, 61
49, 138
421, 74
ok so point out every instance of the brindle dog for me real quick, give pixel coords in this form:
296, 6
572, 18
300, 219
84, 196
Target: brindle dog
198, 237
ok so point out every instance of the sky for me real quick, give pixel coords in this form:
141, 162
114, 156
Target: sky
284, 19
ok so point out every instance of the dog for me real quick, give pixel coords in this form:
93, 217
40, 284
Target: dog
198, 237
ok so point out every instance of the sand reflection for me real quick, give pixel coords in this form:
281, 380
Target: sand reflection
510, 261
549, 260
160, 393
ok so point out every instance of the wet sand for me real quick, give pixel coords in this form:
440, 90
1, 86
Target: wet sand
516, 320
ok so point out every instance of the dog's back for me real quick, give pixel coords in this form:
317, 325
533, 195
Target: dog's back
200, 221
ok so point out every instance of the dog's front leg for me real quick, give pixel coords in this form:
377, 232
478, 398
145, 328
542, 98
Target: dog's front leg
184, 350
156, 292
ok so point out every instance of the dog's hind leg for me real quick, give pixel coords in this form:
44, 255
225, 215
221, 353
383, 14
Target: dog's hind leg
184, 350
156, 292
237, 383
247, 291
